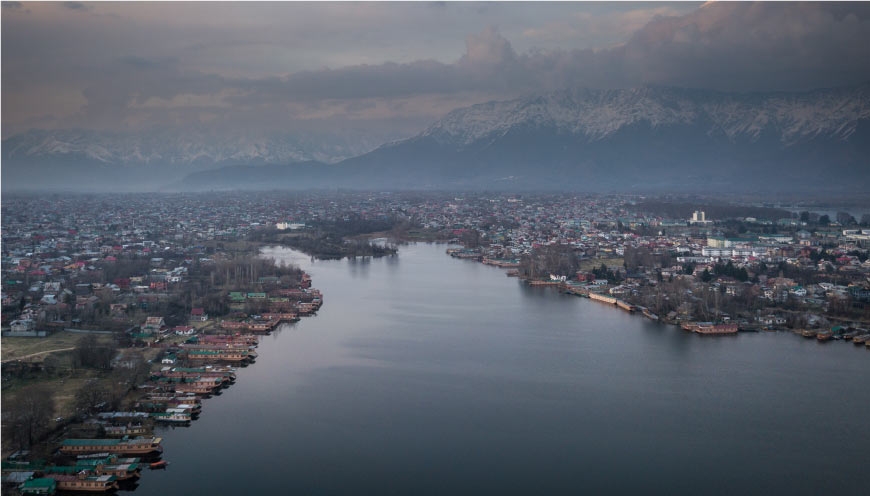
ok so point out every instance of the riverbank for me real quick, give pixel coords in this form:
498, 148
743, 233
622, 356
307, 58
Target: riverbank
439, 364
186, 365
598, 292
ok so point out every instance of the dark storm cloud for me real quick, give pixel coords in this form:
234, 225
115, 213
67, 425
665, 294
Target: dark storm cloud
731, 46
75, 5
758, 46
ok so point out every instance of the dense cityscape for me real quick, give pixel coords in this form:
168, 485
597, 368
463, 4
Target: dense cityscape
137, 293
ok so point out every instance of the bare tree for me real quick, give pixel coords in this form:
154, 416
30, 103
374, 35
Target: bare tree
89, 352
29, 414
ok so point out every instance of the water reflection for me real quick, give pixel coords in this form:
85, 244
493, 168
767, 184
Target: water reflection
439, 375
359, 266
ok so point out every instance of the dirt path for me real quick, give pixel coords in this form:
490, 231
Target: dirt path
37, 354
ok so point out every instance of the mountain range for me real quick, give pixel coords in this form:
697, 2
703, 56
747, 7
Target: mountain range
641, 139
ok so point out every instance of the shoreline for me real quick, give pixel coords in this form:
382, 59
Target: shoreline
696, 327
208, 368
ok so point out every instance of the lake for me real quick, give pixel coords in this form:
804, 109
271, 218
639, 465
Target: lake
423, 374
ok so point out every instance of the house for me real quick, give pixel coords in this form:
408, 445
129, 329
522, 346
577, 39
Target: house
25, 328
198, 315
772, 320
184, 330
169, 359
153, 325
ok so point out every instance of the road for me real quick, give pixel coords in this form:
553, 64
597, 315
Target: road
36, 354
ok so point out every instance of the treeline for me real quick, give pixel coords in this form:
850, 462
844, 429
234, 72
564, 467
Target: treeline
684, 210
726, 270
332, 247
556, 259
210, 282
643, 257
327, 240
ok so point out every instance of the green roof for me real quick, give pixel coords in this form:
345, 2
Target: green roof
43, 485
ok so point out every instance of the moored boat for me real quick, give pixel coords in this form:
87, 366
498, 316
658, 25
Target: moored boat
710, 328
135, 446
121, 468
125, 430
172, 417
85, 483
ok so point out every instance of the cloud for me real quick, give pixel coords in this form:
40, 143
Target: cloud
726, 46
75, 5
754, 46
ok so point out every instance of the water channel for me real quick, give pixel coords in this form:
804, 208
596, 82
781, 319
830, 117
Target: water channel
424, 374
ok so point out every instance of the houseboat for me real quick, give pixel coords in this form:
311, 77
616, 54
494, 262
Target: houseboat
172, 417
121, 468
135, 446
649, 315
602, 298
38, 487
85, 483
236, 356
710, 328
125, 430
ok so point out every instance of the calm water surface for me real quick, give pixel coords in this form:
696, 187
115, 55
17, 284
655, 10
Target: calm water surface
423, 374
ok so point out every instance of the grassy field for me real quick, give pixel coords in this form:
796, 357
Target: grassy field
594, 263
15, 348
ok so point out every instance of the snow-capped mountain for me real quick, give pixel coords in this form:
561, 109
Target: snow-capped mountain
642, 138
596, 115
174, 147
648, 138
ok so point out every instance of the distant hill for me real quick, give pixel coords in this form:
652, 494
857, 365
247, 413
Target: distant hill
152, 159
647, 138
642, 139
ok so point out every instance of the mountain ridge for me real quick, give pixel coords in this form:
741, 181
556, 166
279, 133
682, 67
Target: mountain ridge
577, 138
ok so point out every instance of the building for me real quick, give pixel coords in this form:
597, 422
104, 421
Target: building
23, 328
153, 325
198, 315
699, 218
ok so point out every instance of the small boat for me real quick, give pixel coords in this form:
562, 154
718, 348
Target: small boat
158, 464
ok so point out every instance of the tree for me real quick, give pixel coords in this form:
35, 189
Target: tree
29, 414
845, 219
89, 352
470, 238
91, 395
824, 220
706, 276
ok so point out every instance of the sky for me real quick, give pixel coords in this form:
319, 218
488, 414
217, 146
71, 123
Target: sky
393, 67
